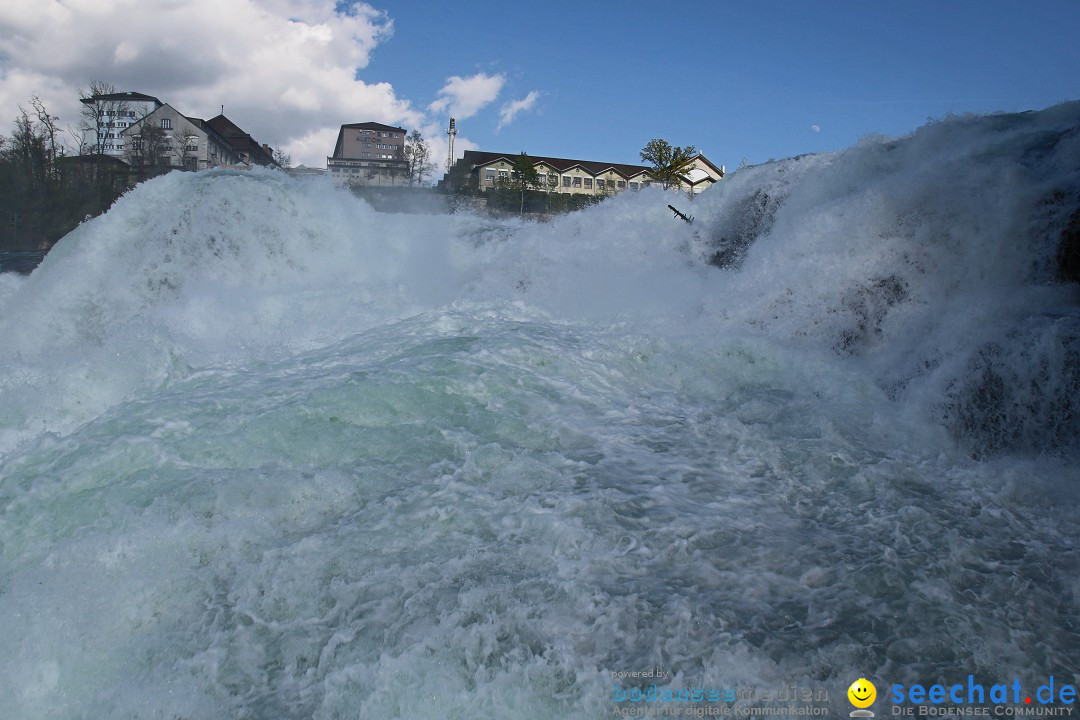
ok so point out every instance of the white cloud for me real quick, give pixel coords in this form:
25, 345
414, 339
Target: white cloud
511, 109
815, 128
464, 97
285, 70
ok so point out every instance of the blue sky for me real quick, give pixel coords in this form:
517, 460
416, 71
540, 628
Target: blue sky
754, 80
592, 80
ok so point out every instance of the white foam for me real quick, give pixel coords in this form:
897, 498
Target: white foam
269, 453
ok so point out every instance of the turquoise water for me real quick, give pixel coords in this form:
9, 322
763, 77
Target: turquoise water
268, 453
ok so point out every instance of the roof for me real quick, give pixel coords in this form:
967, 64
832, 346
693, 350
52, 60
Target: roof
92, 160
372, 126
121, 97
226, 127
339, 146
718, 170
197, 122
240, 141
476, 158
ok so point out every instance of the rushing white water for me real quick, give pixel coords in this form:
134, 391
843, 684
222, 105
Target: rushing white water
267, 453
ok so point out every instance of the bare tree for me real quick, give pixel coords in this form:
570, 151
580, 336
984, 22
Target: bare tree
186, 150
417, 158
103, 114
47, 132
150, 147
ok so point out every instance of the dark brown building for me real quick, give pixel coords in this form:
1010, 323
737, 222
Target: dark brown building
369, 153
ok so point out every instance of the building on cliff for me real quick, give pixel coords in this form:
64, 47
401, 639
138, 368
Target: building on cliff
112, 113
482, 170
368, 153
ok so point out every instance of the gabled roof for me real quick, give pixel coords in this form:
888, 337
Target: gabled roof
121, 97
133, 127
240, 141
197, 122
226, 127
718, 170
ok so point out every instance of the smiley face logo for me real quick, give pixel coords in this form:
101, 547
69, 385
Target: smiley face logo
862, 693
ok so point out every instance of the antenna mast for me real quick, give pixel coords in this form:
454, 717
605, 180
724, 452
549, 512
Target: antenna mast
450, 155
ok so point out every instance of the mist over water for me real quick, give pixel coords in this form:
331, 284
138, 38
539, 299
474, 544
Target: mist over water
265, 452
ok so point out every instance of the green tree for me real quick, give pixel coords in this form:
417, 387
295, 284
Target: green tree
523, 177
668, 163
554, 200
282, 158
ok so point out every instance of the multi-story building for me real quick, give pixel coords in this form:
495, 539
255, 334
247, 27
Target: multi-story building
369, 153
112, 113
482, 170
166, 138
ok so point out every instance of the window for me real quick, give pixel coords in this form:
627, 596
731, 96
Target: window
633, 186
588, 183
599, 184
504, 173
191, 148
119, 146
566, 181
577, 182
166, 124
621, 184
489, 177
541, 178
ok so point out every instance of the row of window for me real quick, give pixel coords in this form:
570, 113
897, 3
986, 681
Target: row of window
117, 113
569, 181
357, 171
381, 133
359, 163
166, 124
